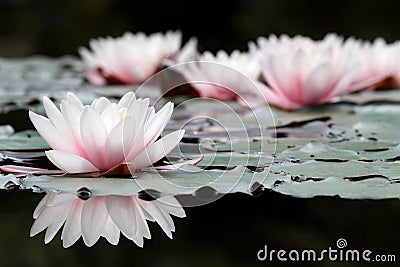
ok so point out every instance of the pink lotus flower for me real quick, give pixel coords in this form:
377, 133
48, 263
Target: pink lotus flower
222, 76
103, 216
104, 135
131, 58
301, 72
382, 60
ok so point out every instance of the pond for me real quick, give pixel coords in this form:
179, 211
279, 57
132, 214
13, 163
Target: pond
246, 178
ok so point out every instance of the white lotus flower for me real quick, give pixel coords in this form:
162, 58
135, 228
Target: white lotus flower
129, 59
221, 76
104, 135
301, 72
103, 216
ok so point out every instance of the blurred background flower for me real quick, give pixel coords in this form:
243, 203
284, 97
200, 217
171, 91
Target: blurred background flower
128, 59
301, 71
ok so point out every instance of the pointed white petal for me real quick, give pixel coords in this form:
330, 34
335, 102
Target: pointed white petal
122, 213
72, 115
157, 150
57, 223
111, 232
56, 118
171, 205
46, 217
41, 206
100, 104
142, 227
73, 99
72, 228
94, 217
110, 116
148, 134
126, 100
70, 163
153, 210
138, 108
50, 134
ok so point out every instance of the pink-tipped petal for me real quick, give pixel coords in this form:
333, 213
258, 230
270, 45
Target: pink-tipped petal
94, 136
317, 84
70, 163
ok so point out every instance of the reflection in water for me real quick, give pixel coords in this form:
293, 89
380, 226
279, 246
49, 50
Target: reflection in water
103, 216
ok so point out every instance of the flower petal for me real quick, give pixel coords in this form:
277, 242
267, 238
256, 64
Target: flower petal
50, 134
72, 228
70, 163
317, 84
40, 207
72, 115
55, 117
94, 217
142, 227
126, 100
94, 136
123, 214
58, 221
148, 134
171, 205
46, 218
111, 232
73, 99
158, 216
119, 141
110, 116
100, 104
157, 150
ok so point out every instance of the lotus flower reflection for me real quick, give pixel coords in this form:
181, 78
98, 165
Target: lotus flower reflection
103, 216
104, 135
301, 72
131, 58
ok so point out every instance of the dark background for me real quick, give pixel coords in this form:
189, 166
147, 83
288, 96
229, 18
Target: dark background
58, 27
228, 232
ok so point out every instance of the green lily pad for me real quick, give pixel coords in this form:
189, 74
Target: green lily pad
25, 140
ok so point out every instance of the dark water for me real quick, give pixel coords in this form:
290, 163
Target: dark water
228, 232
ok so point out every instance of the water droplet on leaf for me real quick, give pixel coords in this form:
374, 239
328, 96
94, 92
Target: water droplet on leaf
84, 193
10, 186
